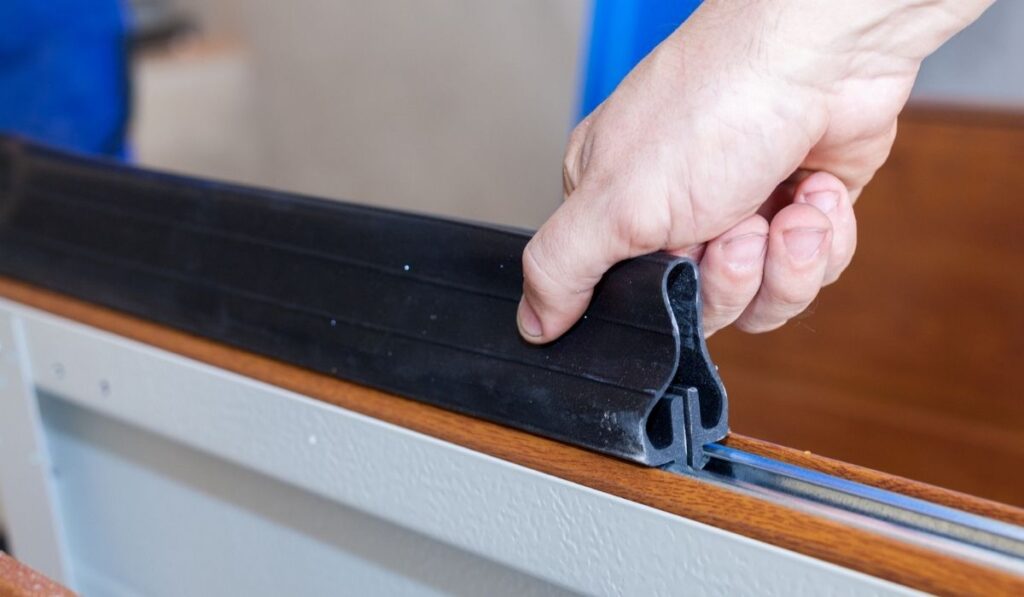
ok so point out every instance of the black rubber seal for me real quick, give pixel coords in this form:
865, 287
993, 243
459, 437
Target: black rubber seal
416, 305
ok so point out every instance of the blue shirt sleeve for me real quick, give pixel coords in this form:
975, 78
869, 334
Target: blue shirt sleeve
622, 32
64, 73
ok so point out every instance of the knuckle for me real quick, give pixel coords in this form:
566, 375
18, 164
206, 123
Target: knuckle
789, 298
836, 271
537, 272
579, 133
570, 176
717, 320
758, 326
640, 229
841, 259
740, 280
551, 286
722, 300
574, 159
711, 326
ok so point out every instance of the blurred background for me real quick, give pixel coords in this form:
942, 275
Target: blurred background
449, 106
459, 107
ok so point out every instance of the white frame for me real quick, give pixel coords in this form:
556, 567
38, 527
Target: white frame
31, 517
544, 526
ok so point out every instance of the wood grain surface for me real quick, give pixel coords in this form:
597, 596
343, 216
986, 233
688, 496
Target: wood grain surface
18, 580
846, 545
911, 363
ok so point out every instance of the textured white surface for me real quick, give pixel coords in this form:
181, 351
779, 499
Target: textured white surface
147, 516
32, 522
539, 525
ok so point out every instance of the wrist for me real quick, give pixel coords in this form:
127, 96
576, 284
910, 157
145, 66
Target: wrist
870, 37
820, 41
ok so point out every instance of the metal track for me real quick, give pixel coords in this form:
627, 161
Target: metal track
790, 483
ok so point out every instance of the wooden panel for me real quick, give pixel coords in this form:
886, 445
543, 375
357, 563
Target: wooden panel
911, 363
856, 548
18, 580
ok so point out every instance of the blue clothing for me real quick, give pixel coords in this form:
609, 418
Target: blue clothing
64, 73
622, 32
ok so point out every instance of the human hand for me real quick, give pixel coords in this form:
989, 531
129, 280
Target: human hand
743, 141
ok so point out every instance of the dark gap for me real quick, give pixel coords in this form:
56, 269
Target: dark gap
659, 424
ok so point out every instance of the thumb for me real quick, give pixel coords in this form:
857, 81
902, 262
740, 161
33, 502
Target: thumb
567, 257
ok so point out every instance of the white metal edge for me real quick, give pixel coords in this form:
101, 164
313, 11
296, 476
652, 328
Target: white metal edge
545, 526
31, 514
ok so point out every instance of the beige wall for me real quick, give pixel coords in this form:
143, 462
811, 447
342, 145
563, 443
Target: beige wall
457, 107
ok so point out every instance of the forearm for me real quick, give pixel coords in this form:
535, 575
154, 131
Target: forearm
820, 40
875, 32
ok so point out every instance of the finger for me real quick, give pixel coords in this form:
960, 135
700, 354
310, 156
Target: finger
575, 157
567, 257
783, 194
799, 243
853, 156
827, 193
694, 252
731, 272
781, 197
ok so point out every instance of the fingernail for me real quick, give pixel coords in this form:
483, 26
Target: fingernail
529, 323
745, 250
825, 201
804, 243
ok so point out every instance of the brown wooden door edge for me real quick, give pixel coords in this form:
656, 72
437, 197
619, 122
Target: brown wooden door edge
856, 548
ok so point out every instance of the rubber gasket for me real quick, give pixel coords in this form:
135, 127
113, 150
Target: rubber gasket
416, 305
